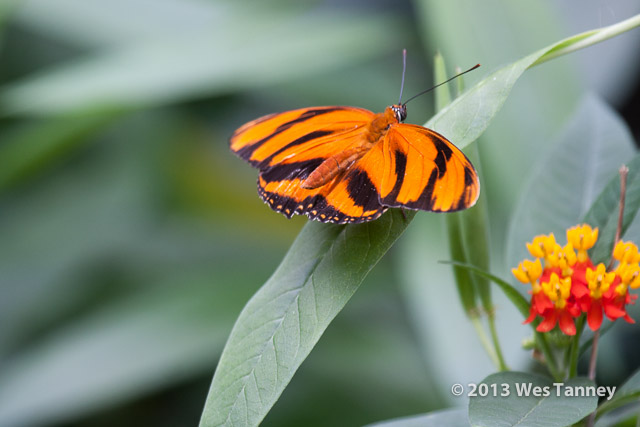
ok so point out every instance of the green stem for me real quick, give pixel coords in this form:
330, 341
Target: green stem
549, 357
464, 282
484, 340
589, 38
502, 365
574, 352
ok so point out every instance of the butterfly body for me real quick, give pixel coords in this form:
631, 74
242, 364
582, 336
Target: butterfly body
348, 165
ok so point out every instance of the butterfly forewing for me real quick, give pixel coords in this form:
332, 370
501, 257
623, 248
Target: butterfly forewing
272, 139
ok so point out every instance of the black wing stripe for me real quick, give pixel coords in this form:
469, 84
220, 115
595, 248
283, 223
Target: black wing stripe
362, 191
443, 156
315, 207
401, 168
306, 138
247, 151
288, 171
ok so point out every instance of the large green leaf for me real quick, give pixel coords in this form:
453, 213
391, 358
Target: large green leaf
266, 48
280, 325
89, 23
28, 151
448, 417
141, 342
283, 321
605, 210
627, 394
569, 178
522, 399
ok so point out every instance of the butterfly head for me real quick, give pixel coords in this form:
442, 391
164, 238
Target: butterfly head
400, 110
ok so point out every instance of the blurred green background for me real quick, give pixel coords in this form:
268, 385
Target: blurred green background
130, 237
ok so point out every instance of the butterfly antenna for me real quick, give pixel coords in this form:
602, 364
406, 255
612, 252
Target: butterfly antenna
440, 84
404, 69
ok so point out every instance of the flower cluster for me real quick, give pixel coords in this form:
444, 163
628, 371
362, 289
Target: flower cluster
565, 283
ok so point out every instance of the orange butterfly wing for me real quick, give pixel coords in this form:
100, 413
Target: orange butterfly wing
408, 166
422, 170
298, 135
288, 146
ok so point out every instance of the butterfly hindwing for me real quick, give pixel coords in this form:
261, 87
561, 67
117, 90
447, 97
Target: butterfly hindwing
423, 170
348, 198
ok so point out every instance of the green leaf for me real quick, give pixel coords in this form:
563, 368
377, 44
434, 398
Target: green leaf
95, 23
510, 292
456, 417
266, 48
464, 281
568, 179
468, 239
589, 38
626, 416
30, 149
627, 393
529, 400
280, 325
586, 345
474, 227
632, 385
605, 211
283, 321
483, 101
142, 342
442, 93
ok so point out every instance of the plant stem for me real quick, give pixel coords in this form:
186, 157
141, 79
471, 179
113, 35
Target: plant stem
592, 371
574, 354
502, 365
589, 38
623, 171
549, 357
486, 344
594, 355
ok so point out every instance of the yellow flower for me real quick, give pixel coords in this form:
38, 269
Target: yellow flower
599, 280
544, 247
582, 238
626, 252
558, 290
528, 271
564, 258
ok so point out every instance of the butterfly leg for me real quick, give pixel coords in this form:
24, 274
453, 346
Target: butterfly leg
403, 214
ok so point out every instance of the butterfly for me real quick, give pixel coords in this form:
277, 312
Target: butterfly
349, 165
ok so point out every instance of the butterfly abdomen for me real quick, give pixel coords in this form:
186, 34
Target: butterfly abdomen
335, 165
